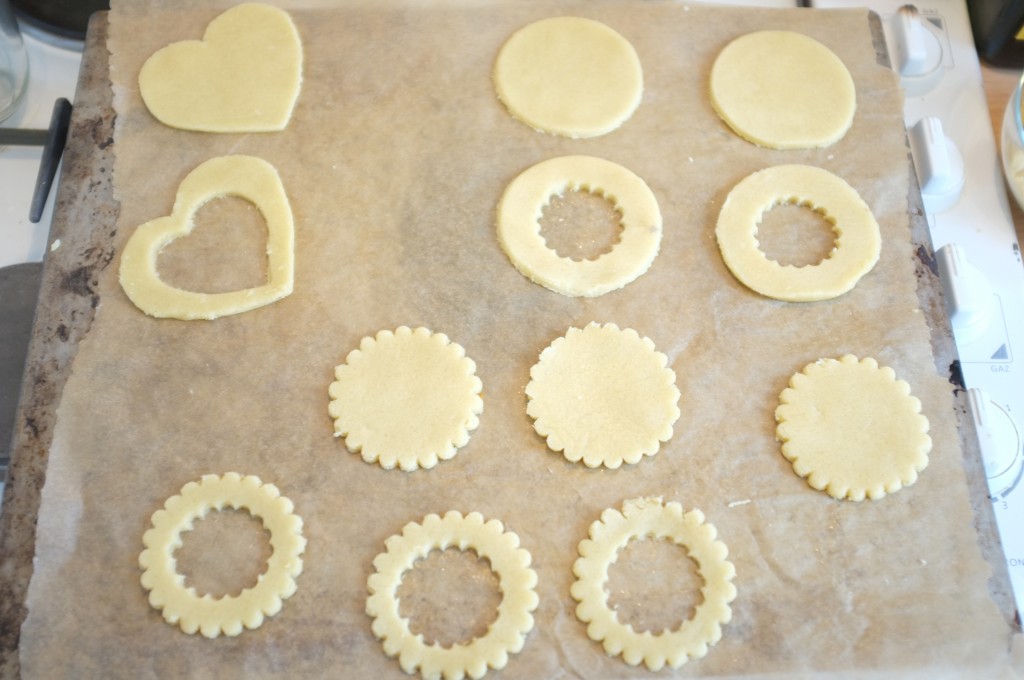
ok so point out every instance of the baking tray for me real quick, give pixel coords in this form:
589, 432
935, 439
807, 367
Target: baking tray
81, 235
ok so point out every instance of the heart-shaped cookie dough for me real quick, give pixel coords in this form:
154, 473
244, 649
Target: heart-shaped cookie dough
246, 177
243, 76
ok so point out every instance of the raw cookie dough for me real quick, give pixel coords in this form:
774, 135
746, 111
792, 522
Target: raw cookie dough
852, 429
243, 76
522, 206
783, 90
569, 76
603, 396
228, 614
408, 398
515, 579
246, 177
644, 518
858, 238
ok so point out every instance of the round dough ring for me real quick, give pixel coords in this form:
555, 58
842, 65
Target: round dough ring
408, 398
569, 76
858, 238
643, 518
783, 90
523, 203
852, 429
229, 614
507, 634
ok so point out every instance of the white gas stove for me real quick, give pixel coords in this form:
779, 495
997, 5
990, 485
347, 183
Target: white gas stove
53, 73
977, 252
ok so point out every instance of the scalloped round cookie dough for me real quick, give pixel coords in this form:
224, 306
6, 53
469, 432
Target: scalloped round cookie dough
243, 76
506, 635
858, 240
603, 395
569, 76
644, 518
852, 429
408, 398
228, 615
519, 230
246, 177
783, 90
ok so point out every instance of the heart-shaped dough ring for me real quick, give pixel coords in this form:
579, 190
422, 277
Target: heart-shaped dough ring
246, 177
243, 76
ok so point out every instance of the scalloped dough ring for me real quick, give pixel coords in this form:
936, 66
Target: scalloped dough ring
858, 240
783, 90
519, 232
649, 518
408, 398
569, 76
229, 614
852, 429
506, 635
603, 395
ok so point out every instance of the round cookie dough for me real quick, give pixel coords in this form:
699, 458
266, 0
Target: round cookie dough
515, 579
858, 237
603, 396
408, 398
519, 231
783, 90
852, 429
649, 518
569, 76
229, 614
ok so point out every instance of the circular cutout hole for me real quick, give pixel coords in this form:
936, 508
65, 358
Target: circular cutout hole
796, 234
229, 238
654, 585
449, 597
580, 225
225, 553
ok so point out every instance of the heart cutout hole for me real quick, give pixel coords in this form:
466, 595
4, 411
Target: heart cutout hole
226, 250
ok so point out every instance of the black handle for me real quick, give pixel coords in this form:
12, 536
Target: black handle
53, 149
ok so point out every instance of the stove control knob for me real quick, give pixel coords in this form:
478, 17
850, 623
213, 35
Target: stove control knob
999, 441
969, 296
918, 51
939, 165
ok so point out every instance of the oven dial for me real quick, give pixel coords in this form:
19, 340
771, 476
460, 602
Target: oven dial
969, 296
1000, 443
916, 50
938, 163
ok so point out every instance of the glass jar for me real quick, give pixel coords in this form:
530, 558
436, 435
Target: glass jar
13, 62
1012, 144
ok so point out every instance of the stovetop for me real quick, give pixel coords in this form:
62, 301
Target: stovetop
53, 73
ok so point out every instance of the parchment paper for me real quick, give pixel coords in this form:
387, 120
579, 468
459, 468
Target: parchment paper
394, 160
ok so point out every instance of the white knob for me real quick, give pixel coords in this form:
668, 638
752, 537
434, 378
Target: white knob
998, 440
939, 165
969, 295
917, 50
